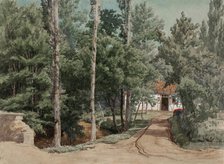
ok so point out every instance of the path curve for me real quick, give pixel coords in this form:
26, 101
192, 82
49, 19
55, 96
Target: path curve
155, 141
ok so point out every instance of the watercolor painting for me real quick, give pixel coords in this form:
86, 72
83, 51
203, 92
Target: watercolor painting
111, 81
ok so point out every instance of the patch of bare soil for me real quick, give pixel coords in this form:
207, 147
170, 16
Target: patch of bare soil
46, 141
152, 145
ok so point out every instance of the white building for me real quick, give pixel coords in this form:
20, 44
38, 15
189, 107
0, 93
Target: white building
160, 102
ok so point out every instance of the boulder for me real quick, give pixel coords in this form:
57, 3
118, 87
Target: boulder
12, 128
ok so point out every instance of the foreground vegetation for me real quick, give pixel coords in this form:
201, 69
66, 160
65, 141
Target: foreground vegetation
197, 135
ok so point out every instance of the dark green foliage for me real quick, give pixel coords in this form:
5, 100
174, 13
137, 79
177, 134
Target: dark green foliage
74, 67
70, 117
192, 70
145, 25
216, 12
74, 64
145, 28
180, 50
108, 125
215, 45
45, 12
71, 23
187, 128
190, 90
38, 122
179, 135
110, 74
220, 45
125, 8
120, 66
110, 22
204, 32
25, 59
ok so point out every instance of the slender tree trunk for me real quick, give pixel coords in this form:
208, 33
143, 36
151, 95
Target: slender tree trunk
12, 68
54, 24
146, 108
127, 113
128, 40
95, 8
142, 110
122, 109
137, 111
112, 105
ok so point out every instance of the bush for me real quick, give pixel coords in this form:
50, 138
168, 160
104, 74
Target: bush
107, 113
87, 117
108, 125
179, 136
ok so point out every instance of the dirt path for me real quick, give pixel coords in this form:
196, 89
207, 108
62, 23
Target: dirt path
154, 147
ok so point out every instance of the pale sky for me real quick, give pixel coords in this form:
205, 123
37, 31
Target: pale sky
168, 10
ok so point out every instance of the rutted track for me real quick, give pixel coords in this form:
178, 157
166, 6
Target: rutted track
155, 142
140, 147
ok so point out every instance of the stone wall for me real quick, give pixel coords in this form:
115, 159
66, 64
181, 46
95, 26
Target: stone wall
12, 128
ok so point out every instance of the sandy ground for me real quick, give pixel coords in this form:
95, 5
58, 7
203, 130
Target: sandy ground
152, 146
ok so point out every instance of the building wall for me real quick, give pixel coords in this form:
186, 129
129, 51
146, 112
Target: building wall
157, 106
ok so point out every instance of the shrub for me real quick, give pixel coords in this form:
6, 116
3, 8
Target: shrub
179, 136
108, 125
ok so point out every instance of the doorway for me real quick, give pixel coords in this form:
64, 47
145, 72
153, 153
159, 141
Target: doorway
165, 103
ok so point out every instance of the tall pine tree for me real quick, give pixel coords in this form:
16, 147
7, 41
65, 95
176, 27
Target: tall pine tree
215, 16
25, 58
